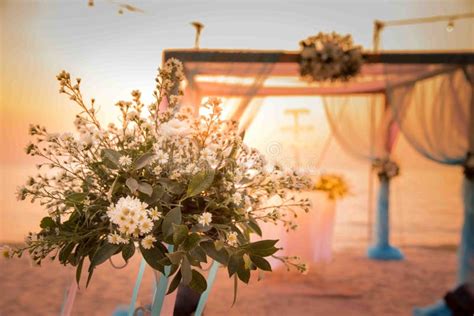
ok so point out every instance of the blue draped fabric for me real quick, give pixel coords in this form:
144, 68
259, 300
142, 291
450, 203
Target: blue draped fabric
382, 250
435, 112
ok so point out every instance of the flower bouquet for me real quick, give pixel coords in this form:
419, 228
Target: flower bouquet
175, 187
329, 57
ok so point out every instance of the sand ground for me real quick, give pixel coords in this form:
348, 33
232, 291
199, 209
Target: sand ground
349, 285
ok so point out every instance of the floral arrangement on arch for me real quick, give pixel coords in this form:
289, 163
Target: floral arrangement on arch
162, 177
334, 185
385, 168
329, 57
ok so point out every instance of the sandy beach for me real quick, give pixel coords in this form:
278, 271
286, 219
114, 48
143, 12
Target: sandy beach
349, 285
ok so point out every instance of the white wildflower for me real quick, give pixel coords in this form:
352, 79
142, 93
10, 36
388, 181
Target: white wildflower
232, 238
205, 219
155, 214
161, 156
125, 161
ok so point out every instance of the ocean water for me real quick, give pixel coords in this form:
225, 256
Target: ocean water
426, 207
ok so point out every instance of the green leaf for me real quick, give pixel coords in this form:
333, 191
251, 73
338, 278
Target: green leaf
199, 254
157, 194
145, 188
76, 197
65, 252
112, 156
192, 240
104, 253
236, 262
262, 248
128, 251
175, 257
153, 256
198, 282
180, 232
47, 222
132, 184
172, 217
243, 274
236, 284
220, 256
186, 271
115, 186
200, 182
261, 263
174, 283
143, 161
254, 226
79, 270
172, 186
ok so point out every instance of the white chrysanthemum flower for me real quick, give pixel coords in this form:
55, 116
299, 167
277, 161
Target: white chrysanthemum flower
148, 241
232, 238
145, 226
155, 214
175, 127
125, 161
127, 213
205, 219
116, 239
6, 251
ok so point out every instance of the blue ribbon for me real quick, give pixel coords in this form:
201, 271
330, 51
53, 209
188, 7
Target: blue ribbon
210, 281
141, 271
160, 291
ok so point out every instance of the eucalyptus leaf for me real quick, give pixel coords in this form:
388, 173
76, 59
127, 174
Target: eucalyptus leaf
132, 184
143, 161
112, 155
145, 188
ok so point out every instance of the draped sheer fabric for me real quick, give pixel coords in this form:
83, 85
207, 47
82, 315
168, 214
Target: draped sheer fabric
434, 113
361, 123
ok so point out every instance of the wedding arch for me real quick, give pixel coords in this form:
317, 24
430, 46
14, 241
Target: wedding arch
428, 97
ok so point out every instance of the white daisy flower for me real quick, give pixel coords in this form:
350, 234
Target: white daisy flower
155, 214
205, 219
125, 161
148, 241
232, 238
145, 226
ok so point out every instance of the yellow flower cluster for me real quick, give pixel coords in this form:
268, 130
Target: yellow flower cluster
334, 185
